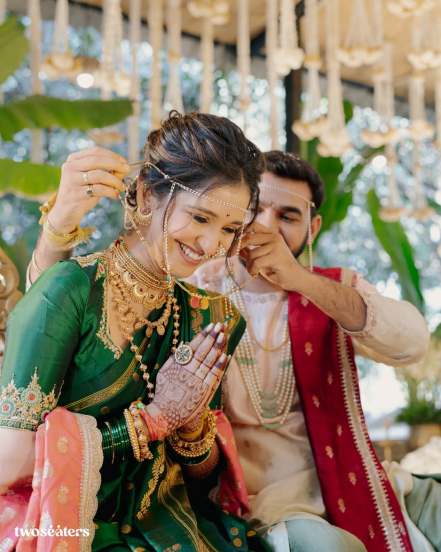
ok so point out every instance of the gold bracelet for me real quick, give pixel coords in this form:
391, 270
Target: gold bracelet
68, 241
196, 433
46, 208
141, 433
132, 435
193, 449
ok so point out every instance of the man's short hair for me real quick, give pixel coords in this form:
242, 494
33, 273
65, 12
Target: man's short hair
289, 165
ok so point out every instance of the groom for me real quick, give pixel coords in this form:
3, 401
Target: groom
292, 389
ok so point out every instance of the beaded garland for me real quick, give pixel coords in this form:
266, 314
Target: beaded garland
271, 406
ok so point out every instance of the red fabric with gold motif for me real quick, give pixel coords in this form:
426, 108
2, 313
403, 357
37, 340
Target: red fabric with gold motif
356, 492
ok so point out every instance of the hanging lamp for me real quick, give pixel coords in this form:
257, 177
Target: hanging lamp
406, 8
393, 209
334, 139
420, 210
311, 123
133, 123
288, 55
426, 45
61, 63
271, 47
359, 46
173, 96
420, 128
155, 20
243, 57
211, 13
384, 103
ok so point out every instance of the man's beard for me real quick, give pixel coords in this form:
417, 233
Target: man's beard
302, 247
296, 254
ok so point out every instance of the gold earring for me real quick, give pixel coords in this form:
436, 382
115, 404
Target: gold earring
142, 218
221, 252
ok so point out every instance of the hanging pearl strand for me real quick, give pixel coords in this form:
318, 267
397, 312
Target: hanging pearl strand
283, 393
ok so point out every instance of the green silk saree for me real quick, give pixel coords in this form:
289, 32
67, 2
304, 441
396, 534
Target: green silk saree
59, 353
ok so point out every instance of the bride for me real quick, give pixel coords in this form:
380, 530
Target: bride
111, 428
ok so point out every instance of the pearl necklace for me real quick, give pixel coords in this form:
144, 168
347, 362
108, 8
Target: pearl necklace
271, 406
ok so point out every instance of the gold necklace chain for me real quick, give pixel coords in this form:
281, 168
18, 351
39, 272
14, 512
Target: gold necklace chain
129, 321
128, 262
138, 284
252, 335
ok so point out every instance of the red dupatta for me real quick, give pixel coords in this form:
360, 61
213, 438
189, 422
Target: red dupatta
356, 491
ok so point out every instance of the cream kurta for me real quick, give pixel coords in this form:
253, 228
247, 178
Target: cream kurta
279, 468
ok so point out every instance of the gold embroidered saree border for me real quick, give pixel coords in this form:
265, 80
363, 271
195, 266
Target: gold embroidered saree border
166, 498
157, 470
109, 391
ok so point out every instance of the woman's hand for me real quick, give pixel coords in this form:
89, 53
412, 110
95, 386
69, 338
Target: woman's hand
97, 170
184, 391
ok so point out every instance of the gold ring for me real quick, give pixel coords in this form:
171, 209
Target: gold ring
89, 190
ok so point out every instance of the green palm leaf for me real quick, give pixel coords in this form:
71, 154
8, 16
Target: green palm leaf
46, 112
393, 238
28, 179
13, 47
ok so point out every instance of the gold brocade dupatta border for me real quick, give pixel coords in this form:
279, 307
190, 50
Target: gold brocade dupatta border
90, 476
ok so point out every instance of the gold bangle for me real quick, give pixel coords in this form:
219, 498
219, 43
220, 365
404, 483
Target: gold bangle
65, 242
132, 435
196, 433
46, 208
141, 434
193, 449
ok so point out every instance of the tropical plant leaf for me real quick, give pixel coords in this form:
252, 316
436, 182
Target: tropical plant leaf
46, 112
393, 238
435, 206
28, 179
13, 47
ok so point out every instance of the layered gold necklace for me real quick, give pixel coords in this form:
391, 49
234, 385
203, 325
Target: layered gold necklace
130, 283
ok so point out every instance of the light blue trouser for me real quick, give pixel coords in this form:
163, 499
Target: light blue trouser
310, 535
423, 505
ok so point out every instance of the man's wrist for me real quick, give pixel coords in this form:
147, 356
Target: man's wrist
300, 280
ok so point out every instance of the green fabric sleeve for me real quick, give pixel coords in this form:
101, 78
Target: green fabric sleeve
42, 335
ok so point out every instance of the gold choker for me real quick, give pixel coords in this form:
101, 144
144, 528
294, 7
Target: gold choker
142, 286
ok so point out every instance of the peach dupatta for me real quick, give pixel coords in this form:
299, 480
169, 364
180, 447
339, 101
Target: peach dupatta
56, 513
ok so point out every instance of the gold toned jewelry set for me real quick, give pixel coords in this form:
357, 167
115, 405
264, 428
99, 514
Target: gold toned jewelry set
129, 282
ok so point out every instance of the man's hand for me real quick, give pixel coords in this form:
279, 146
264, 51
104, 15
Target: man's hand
267, 254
